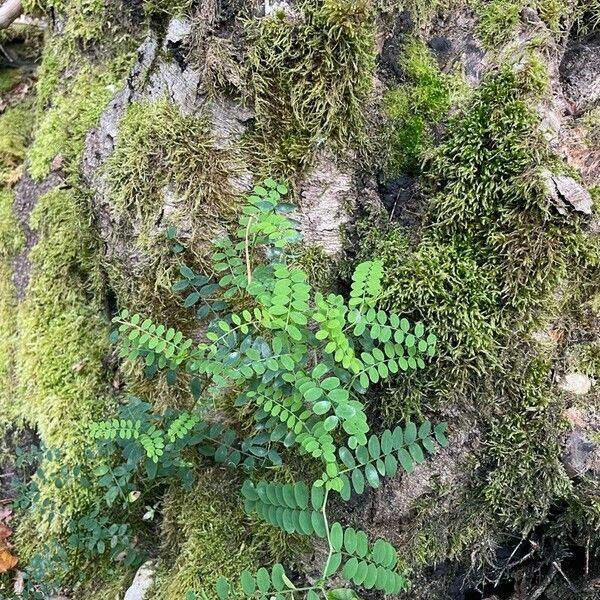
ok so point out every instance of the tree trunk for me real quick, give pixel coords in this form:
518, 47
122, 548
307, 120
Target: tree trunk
457, 142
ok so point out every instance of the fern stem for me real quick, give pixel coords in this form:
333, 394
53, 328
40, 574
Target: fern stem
247, 250
328, 533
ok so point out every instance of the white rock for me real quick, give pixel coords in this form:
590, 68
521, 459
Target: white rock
575, 383
142, 582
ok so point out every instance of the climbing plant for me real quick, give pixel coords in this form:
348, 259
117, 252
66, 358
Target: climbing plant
301, 361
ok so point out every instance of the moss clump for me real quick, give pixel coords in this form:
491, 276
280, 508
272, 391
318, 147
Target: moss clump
11, 241
310, 76
11, 236
8, 80
210, 536
15, 129
587, 358
416, 107
522, 448
448, 522
86, 21
493, 251
173, 8
63, 340
49, 74
590, 123
158, 146
318, 265
167, 170
457, 295
498, 19
587, 17
63, 128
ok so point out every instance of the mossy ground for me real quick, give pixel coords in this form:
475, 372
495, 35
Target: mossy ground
209, 533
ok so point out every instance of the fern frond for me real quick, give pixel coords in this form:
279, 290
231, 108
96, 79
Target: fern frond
155, 343
366, 285
284, 506
261, 585
182, 426
384, 454
125, 429
368, 565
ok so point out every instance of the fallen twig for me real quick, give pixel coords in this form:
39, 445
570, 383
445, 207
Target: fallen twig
9, 11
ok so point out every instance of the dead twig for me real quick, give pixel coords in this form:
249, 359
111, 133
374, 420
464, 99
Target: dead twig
545, 584
9, 11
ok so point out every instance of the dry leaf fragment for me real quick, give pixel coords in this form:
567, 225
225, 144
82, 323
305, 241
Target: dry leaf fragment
5, 532
19, 583
5, 514
7, 561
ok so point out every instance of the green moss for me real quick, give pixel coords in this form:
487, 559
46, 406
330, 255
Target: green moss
498, 20
63, 340
173, 8
11, 241
590, 123
587, 358
75, 110
492, 198
417, 106
86, 21
587, 16
8, 79
11, 236
483, 276
423, 11
108, 584
526, 477
158, 146
318, 265
164, 157
210, 536
448, 526
310, 77
15, 129
49, 74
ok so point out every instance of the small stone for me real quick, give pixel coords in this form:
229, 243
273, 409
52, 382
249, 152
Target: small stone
440, 44
575, 383
142, 582
580, 454
57, 163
